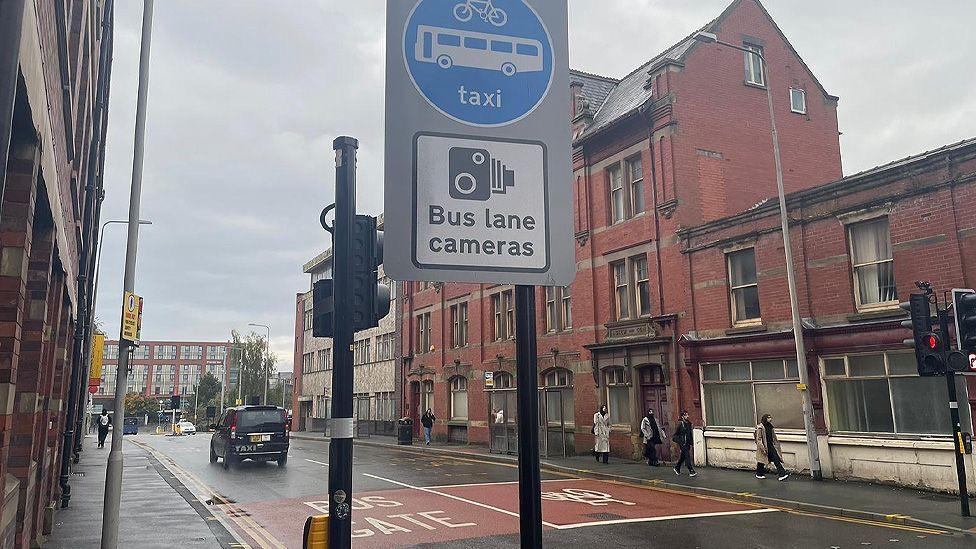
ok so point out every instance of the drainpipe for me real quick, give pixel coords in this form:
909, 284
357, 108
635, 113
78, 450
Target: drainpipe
97, 144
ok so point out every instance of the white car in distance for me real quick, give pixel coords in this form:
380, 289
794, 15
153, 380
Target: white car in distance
186, 428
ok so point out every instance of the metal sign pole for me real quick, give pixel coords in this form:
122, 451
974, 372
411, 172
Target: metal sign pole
341, 424
113, 475
527, 384
954, 411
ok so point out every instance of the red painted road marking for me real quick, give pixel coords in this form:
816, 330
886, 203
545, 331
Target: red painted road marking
412, 515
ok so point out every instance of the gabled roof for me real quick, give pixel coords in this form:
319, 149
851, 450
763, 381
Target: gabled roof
632, 92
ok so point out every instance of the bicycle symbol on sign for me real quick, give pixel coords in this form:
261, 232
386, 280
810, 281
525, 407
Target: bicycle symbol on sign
484, 8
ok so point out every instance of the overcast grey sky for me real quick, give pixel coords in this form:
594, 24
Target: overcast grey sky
246, 97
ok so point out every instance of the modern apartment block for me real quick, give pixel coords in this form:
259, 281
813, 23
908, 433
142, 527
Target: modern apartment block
165, 368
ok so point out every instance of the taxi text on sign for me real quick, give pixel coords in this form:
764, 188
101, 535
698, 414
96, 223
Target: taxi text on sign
478, 168
97, 354
131, 316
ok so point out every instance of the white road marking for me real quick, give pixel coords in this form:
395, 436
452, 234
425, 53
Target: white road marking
666, 517
322, 463
439, 486
451, 496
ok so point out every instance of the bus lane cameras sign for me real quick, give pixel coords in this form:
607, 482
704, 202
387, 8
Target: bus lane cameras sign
478, 184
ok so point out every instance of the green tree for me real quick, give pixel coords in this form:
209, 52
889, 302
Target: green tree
138, 405
208, 389
255, 363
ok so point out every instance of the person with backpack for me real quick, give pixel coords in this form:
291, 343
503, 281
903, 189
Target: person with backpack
427, 420
768, 451
652, 437
103, 422
601, 434
684, 438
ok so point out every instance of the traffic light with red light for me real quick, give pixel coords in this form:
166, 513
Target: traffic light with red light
928, 344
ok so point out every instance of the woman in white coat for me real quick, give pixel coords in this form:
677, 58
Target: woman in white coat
601, 434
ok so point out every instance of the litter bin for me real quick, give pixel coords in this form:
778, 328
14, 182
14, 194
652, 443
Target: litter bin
405, 431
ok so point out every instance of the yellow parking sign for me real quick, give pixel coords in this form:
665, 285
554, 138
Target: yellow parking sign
97, 353
131, 317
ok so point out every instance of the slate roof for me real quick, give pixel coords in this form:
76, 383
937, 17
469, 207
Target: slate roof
630, 93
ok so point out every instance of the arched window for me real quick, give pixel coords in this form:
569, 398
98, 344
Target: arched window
503, 380
618, 395
559, 380
459, 398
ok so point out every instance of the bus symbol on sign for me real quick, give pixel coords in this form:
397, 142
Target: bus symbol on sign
490, 70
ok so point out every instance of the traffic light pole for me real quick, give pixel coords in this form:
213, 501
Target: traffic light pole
950, 376
527, 387
340, 447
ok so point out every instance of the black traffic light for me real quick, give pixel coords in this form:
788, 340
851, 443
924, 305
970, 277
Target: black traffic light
370, 300
174, 402
928, 345
964, 306
323, 308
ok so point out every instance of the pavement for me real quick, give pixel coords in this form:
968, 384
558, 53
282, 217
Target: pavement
157, 510
859, 500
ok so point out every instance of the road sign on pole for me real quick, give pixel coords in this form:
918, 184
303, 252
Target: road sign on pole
477, 142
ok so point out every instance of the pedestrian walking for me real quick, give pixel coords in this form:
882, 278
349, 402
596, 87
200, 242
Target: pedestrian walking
103, 422
652, 437
601, 434
768, 450
684, 438
427, 420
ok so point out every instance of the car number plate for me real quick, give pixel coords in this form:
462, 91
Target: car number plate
247, 448
260, 438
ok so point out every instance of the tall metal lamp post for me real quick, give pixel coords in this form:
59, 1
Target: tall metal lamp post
812, 449
268, 328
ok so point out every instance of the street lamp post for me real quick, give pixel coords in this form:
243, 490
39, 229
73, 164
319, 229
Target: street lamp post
813, 450
268, 328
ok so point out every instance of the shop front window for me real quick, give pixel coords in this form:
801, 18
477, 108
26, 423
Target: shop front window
882, 393
559, 380
737, 393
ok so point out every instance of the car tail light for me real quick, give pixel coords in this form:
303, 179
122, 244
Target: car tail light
233, 426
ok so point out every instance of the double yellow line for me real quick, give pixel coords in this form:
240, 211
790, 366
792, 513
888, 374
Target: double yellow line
223, 509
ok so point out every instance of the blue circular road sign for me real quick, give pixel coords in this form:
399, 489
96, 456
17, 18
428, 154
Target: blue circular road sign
479, 62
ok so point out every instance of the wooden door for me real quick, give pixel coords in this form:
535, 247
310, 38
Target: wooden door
654, 396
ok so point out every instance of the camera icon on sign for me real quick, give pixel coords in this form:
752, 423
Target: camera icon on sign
475, 175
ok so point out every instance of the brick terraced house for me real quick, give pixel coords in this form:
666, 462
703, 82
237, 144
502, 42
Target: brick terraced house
54, 79
679, 278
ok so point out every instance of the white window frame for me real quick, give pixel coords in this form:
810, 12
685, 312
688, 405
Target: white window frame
459, 385
636, 185
621, 302
752, 61
802, 94
616, 378
849, 228
615, 182
634, 262
732, 288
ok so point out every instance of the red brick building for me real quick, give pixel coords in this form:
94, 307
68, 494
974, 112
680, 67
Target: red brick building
859, 245
55, 66
165, 368
684, 139
680, 300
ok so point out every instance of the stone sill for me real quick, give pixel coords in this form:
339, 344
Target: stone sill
877, 314
747, 329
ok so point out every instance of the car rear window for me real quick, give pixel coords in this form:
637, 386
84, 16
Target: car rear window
256, 418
